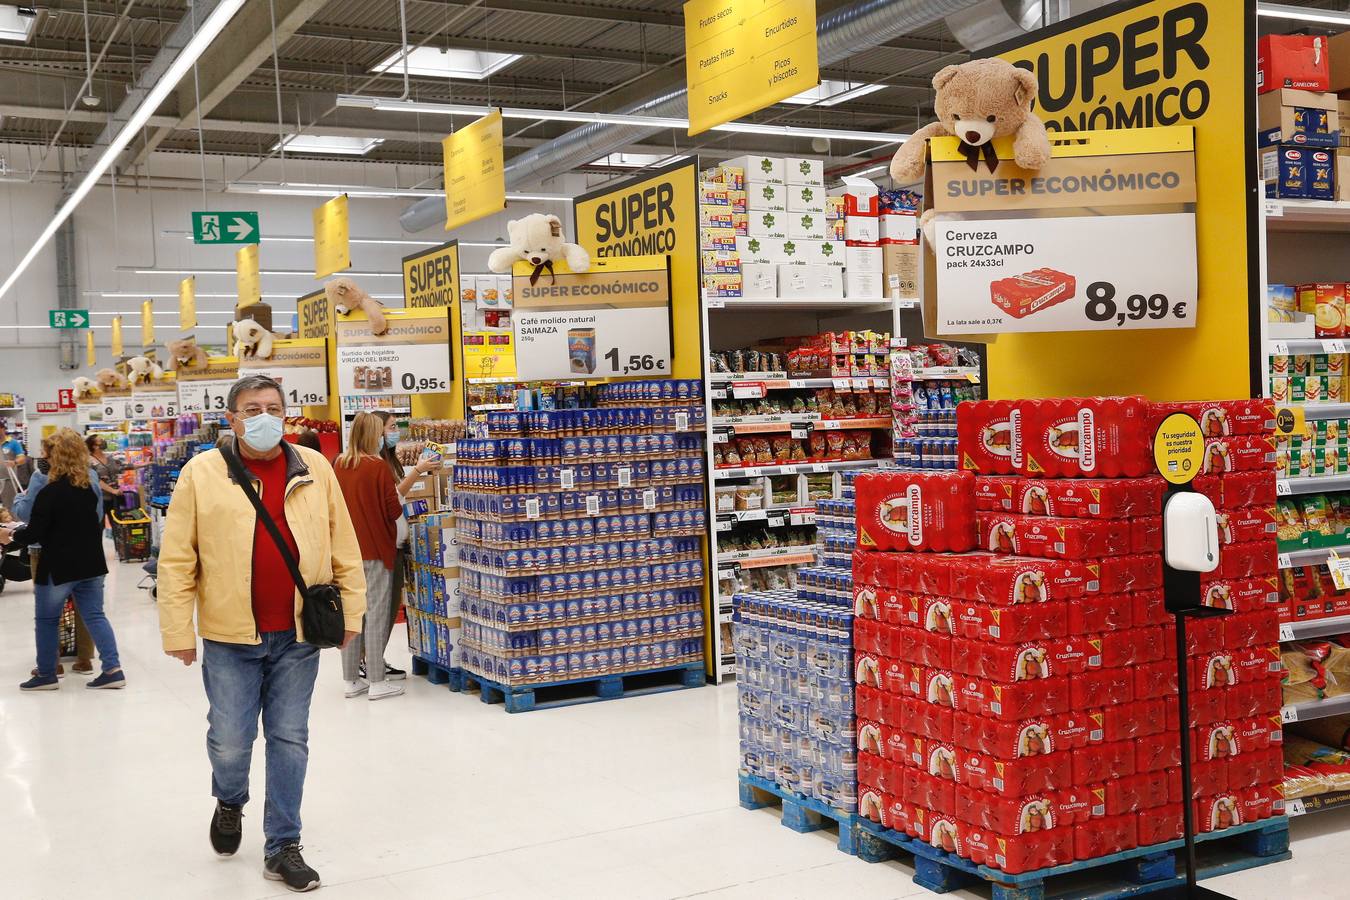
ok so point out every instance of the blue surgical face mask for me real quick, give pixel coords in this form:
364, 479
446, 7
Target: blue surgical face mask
263, 432
391, 440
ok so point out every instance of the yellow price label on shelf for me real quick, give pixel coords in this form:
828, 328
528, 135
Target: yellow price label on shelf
1289, 420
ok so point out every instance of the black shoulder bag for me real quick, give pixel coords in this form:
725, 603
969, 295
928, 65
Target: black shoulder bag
321, 609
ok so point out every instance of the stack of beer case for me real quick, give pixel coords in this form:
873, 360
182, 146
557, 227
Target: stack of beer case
579, 541
431, 590
1016, 665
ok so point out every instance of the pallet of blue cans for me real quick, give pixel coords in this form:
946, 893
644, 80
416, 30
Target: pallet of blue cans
571, 692
801, 814
1130, 873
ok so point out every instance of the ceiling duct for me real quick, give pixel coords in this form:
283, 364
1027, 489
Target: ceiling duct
840, 34
990, 22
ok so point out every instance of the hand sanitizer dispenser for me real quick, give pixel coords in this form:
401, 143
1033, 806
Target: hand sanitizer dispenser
1190, 533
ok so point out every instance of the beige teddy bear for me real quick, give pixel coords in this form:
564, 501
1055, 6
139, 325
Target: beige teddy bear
185, 354
144, 370
538, 240
251, 340
345, 297
111, 380
85, 388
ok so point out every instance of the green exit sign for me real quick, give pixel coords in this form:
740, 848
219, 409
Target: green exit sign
68, 318
225, 228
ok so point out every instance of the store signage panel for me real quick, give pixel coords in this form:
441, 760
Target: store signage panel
744, 55
431, 278
247, 280
187, 303
147, 324
1101, 238
225, 228
68, 318
158, 401
412, 358
300, 366
332, 249
206, 389
315, 315
489, 354
475, 177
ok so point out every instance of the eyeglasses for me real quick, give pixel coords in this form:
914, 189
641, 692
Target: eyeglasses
249, 412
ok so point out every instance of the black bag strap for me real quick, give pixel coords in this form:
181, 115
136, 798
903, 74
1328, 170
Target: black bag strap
246, 484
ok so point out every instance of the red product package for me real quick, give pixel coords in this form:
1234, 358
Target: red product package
1214, 671
1134, 792
1241, 594
1162, 751
1222, 418
995, 493
1161, 824
1258, 802
895, 813
1250, 629
1212, 487
1102, 837
1155, 680
1103, 498
1086, 437
1250, 523
1248, 559
1146, 534
871, 803
1011, 740
1101, 687
937, 758
1021, 295
931, 612
1122, 574
925, 719
985, 436
870, 736
866, 602
938, 831
1017, 777
1092, 613
1239, 489
1127, 647
1101, 762
1025, 699
1217, 740
1215, 813
1011, 625
1241, 453
1013, 580
1027, 661
1129, 721
1037, 846
930, 791
1150, 608
916, 510
1077, 539
1253, 738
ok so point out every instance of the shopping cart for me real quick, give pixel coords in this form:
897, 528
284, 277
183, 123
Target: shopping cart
14, 566
131, 534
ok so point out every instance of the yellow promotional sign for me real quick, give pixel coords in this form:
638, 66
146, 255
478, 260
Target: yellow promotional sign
1155, 63
744, 55
187, 303
332, 250
489, 354
475, 178
247, 281
1179, 448
1290, 421
147, 323
90, 355
315, 315
431, 278
116, 337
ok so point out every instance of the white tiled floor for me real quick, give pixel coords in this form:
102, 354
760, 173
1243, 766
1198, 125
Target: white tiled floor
431, 794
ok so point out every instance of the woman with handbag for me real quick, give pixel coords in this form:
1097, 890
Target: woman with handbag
368, 487
65, 521
108, 470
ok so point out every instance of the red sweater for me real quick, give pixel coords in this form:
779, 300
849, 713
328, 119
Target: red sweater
273, 589
372, 500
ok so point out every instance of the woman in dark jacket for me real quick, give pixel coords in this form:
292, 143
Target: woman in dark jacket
65, 521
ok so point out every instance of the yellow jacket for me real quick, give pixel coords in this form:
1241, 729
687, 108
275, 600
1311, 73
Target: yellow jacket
206, 551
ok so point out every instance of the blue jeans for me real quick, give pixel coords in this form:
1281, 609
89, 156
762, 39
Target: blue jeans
274, 678
48, 601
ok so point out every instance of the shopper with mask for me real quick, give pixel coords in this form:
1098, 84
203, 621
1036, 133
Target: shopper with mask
368, 487
108, 470
217, 560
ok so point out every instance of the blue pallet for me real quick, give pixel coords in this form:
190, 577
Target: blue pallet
802, 814
526, 697
450, 676
1130, 873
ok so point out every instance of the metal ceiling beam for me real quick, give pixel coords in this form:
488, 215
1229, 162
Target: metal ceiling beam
223, 67
596, 12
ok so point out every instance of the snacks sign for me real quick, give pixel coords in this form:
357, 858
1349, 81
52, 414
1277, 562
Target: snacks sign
1100, 238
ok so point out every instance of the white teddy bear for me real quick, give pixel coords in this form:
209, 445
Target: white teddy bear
252, 340
538, 240
144, 370
85, 388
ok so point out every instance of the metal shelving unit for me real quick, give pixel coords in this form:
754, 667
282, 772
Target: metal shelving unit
1309, 629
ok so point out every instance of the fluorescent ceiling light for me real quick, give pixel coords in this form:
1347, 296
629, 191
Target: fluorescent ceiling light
332, 190
306, 239
206, 33
634, 160
305, 272
141, 295
16, 23
328, 144
830, 93
1302, 14
200, 312
435, 62
871, 137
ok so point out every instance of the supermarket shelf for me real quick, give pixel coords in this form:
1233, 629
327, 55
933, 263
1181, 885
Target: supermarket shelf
799, 468
769, 424
804, 303
1315, 709
1314, 484
1307, 215
1314, 628
10, 409
776, 556
970, 373
492, 407
1314, 556
1301, 806
1282, 346
1325, 410
759, 515
774, 381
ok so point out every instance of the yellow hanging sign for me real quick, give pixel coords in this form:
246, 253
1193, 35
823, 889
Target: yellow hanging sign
116, 337
431, 278
247, 280
475, 178
315, 315
147, 323
332, 250
90, 355
744, 55
187, 303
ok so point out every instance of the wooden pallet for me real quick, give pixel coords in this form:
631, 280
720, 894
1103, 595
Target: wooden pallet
450, 676
801, 814
1131, 873
526, 697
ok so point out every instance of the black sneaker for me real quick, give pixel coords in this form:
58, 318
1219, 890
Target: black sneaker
288, 866
227, 828
390, 673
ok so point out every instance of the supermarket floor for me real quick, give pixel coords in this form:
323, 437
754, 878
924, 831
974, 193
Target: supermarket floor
431, 794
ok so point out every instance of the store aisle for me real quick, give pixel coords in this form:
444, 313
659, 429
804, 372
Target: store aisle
107, 794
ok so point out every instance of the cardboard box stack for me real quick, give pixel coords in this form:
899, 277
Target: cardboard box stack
900, 243
863, 268
1017, 705
579, 535
1299, 113
431, 590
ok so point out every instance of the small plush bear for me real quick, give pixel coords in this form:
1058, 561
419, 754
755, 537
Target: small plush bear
185, 354
144, 370
251, 340
538, 240
345, 297
111, 380
85, 388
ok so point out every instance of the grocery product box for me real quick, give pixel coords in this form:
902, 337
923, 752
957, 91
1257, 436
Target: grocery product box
765, 195
827, 282
721, 285
715, 216
806, 226
807, 198
898, 227
900, 268
1281, 303
1326, 301
1292, 61
759, 281
1299, 173
862, 229
860, 196
506, 291
1342, 183
797, 170
759, 168
863, 272
916, 511
767, 224
762, 250
1304, 118
794, 281
717, 239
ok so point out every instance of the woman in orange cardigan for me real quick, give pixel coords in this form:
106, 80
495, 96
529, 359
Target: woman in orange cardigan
368, 488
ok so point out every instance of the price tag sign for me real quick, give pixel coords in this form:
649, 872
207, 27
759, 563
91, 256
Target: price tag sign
1286, 632
805, 515
1335, 346
861, 385
1279, 348
1282, 487
413, 357
1288, 714
567, 479
1273, 208
625, 474
1284, 561
724, 523
718, 393
649, 499
796, 382
776, 519
801, 430
716, 303
748, 390
843, 384
1295, 807
532, 508
820, 467
682, 421
721, 435
301, 366
207, 395
592, 505
753, 471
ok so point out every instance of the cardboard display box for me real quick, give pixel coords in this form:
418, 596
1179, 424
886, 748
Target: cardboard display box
1293, 61
1306, 118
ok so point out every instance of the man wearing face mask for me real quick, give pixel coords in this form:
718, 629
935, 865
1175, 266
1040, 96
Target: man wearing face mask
216, 559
